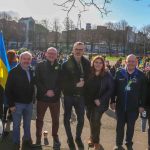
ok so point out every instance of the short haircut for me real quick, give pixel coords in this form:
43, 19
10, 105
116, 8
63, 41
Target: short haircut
131, 55
78, 43
52, 48
25, 53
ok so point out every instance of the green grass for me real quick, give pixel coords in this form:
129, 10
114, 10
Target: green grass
113, 58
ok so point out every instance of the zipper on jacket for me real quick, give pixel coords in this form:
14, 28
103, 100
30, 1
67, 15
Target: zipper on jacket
126, 92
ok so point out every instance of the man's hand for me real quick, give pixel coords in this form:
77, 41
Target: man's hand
12, 109
80, 84
113, 106
50, 93
141, 109
97, 102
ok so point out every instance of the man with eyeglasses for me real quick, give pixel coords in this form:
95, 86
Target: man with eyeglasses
74, 74
47, 76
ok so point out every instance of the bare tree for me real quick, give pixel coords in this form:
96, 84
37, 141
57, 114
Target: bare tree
56, 29
100, 5
145, 36
68, 25
123, 27
109, 36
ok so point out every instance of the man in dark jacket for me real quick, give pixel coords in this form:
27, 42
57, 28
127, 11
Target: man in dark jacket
129, 99
19, 91
74, 75
147, 105
48, 94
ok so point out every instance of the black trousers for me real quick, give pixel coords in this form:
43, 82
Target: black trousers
128, 118
78, 104
94, 115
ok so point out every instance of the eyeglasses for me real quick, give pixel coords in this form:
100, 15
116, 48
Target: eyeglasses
78, 49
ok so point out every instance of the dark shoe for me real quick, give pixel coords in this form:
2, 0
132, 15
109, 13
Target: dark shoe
129, 147
79, 143
27, 143
119, 148
16, 146
56, 143
90, 142
38, 142
71, 144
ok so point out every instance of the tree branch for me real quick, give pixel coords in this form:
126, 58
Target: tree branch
68, 5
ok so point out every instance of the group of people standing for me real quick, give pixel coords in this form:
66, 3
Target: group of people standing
86, 86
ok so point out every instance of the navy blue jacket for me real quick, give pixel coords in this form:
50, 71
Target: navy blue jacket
132, 97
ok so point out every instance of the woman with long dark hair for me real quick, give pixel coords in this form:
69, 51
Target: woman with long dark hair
98, 91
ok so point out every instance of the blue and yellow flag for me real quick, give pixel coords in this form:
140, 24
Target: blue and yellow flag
4, 65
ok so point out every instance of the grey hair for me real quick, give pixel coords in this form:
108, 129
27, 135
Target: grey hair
52, 48
25, 53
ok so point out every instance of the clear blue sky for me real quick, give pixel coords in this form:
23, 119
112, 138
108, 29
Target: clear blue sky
136, 13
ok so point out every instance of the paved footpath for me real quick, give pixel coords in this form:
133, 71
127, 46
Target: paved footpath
107, 134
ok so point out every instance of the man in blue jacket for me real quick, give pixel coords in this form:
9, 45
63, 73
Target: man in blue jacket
128, 100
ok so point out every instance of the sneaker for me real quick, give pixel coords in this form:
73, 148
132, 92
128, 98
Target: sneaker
97, 146
56, 143
71, 144
119, 147
79, 143
16, 146
90, 142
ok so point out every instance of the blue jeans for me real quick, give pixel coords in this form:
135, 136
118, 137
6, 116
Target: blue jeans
24, 110
78, 104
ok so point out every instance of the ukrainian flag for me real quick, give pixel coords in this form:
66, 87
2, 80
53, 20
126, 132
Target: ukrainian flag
4, 65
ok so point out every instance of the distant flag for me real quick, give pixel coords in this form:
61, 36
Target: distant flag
4, 65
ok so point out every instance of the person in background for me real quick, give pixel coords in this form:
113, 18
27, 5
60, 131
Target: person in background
144, 114
107, 65
1, 101
98, 90
12, 58
19, 91
13, 61
116, 67
128, 100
